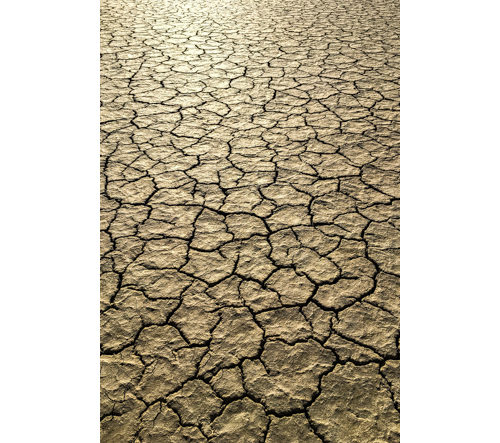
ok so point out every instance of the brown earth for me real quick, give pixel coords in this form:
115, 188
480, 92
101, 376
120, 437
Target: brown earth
250, 221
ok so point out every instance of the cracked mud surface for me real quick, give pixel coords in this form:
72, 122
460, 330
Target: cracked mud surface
250, 221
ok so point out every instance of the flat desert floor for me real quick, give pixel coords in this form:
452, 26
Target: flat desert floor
250, 221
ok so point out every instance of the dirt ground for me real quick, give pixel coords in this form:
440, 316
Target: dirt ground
250, 221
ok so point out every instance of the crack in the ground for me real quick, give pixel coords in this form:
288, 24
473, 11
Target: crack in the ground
250, 221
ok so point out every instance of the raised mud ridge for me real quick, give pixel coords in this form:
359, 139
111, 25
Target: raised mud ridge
250, 221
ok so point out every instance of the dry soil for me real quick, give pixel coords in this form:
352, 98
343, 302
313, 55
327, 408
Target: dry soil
250, 221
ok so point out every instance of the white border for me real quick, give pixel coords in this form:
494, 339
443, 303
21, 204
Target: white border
49, 177
450, 226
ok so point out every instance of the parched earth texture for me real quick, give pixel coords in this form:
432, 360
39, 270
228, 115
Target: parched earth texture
250, 221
